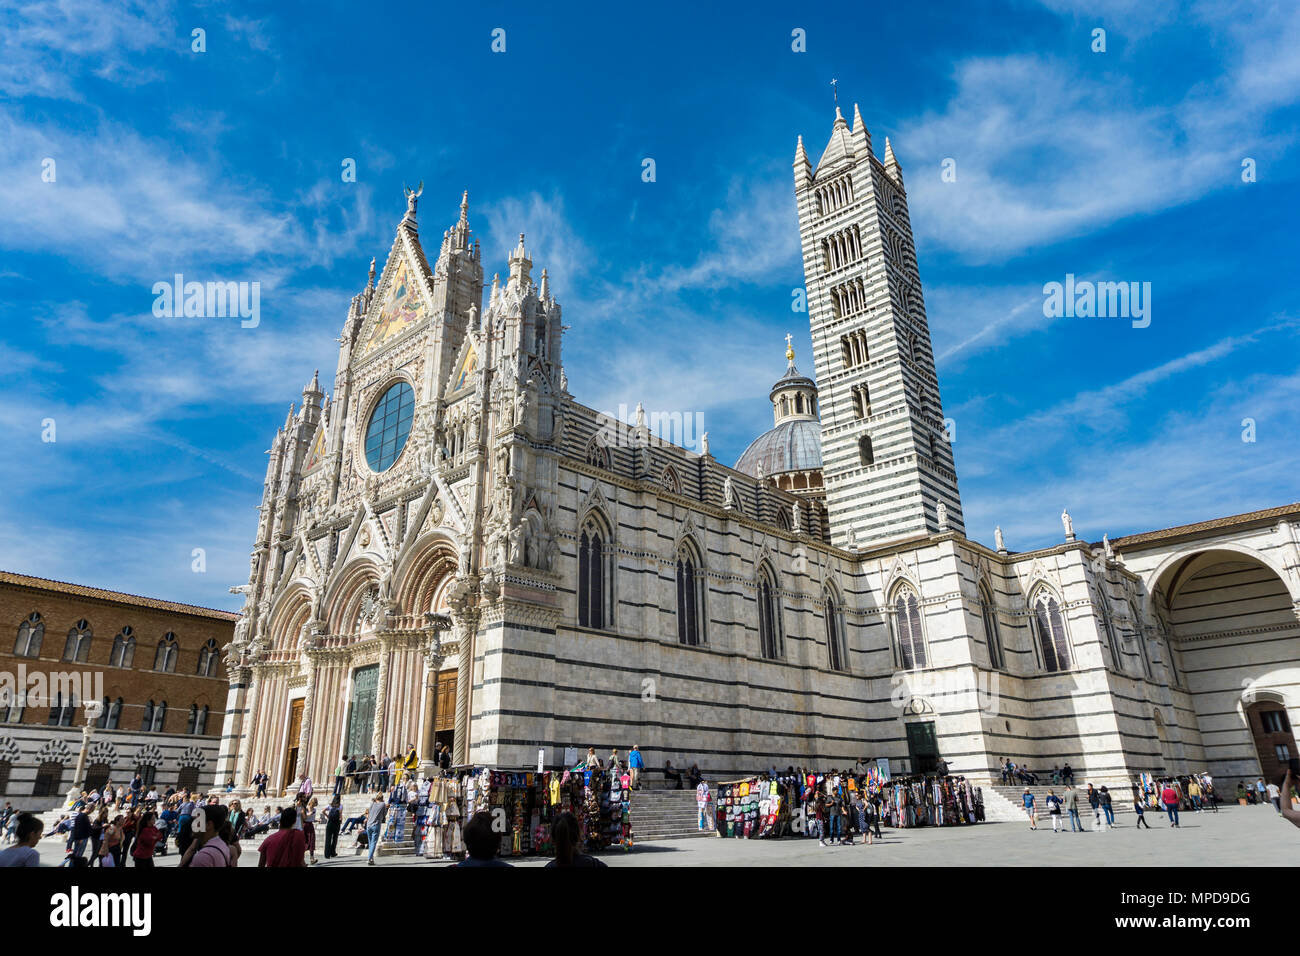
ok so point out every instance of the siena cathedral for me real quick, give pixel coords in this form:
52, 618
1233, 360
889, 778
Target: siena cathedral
452, 550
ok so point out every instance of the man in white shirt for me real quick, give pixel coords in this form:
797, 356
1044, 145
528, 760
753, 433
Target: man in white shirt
1275, 796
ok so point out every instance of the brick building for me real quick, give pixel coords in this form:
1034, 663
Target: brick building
153, 666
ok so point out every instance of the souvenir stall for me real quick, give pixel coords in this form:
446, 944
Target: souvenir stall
529, 802
442, 823
752, 808
919, 801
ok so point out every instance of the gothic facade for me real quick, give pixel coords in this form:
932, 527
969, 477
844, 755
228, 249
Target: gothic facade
453, 549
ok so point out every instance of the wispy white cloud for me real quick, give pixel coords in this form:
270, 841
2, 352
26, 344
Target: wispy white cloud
1051, 146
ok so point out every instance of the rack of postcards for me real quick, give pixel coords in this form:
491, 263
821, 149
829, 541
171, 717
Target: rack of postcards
528, 804
752, 808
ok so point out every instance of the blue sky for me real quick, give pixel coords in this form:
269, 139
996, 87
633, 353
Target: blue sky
225, 165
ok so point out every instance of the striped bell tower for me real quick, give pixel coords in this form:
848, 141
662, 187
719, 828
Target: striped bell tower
886, 456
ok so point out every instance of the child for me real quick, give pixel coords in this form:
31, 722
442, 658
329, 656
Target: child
1054, 810
1141, 818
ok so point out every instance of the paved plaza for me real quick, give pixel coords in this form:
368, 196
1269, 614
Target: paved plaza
1236, 836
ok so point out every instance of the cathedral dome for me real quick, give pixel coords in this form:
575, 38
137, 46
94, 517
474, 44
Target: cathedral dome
793, 445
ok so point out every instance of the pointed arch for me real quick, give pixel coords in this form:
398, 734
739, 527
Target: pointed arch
30, 634
209, 659
1139, 635
690, 593
670, 480
343, 598
596, 566
910, 651
430, 560
167, 653
1048, 624
837, 650
992, 636
123, 653
77, 646
771, 637
597, 454
1108, 630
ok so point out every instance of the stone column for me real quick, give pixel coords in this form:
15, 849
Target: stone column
381, 699
466, 626
308, 708
232, 725
255, 683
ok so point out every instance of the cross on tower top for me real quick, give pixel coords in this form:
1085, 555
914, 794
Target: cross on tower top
789, 348
835, 90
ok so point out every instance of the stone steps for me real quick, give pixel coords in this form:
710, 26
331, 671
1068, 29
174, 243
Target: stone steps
665, 815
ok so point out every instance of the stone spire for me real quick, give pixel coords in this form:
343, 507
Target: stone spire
520, 265
861, 135
891, 163
312, 393
802, 167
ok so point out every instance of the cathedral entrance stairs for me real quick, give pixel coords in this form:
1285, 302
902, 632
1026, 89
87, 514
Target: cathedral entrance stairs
1005, 804
665, 815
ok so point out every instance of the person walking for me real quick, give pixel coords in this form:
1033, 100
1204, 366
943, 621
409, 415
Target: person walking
1106, 808
635, 765
1275, 797
1031, 810
1072, 808
1054, 810
1140, 811
1094, 801
261, 779
1169, 797
375, 822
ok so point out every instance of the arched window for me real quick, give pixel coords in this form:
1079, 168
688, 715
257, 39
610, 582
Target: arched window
155, 716
164, 658
836, 650
30, 634
866, 454
769, 616
1108, 628
77, 646
12, 705
197, 723
595, 576
111, 716
783, 519
1050, 626
62, 710
598, 454
208, 658
907, 623
1139, 635
997, 659
123, 649
690, 596
670, 480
